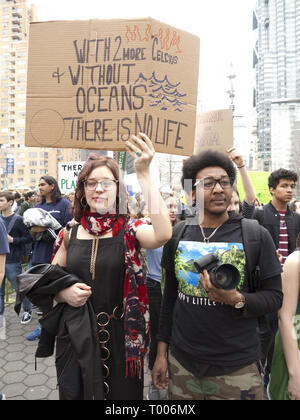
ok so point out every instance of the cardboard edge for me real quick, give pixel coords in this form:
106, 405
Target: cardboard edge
141, 19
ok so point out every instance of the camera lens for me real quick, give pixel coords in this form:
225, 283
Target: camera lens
223, 276
226, 277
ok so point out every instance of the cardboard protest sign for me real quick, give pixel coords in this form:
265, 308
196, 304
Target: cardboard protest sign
92, 84
68, 174
214, 131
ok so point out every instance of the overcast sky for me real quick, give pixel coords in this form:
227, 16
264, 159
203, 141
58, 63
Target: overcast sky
224, 28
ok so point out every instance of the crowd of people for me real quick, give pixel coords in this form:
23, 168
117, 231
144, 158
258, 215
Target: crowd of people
206, 284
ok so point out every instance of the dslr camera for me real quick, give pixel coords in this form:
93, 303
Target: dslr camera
222, 276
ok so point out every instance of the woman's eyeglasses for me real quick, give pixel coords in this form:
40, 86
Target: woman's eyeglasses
105, 184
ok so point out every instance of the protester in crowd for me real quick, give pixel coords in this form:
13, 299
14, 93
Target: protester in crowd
4, 250
276, 217
153, 282
285, 370
211, 332
18, 236
135, 204
60, 209
142, 211
176, 191
28, 203
284, 227
37, 198
103, 251
70, 196
132, 205
138, 197
295, 206
235, 204
17, 202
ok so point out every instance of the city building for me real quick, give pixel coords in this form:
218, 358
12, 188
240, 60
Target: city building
276, 60
20, 165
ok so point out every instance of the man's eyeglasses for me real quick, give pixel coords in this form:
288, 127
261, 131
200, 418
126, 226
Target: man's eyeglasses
105, 184
209, 183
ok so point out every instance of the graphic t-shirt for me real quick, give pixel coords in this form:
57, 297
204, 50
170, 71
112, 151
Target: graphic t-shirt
190, 251
210, 338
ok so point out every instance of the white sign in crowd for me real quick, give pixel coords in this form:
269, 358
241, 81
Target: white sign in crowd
68, 174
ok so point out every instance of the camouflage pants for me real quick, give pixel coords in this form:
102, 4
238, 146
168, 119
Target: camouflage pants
245, 384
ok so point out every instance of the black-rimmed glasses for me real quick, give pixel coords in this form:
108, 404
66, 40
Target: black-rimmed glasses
209, 183
105, 184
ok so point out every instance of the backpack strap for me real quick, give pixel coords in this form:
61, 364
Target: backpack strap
251, 233
11, 224
178, 230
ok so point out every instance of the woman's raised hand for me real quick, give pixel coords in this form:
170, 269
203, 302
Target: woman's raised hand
141, 149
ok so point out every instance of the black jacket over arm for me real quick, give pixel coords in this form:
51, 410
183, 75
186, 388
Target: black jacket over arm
41, 284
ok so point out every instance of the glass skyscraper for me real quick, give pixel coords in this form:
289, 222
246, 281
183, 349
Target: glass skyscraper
276, 60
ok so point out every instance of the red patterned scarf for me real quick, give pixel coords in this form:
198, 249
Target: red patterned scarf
135, 299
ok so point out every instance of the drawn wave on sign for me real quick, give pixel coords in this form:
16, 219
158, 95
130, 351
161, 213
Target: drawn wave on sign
162, 93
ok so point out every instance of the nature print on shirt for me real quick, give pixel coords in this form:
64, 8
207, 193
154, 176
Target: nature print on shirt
188, 252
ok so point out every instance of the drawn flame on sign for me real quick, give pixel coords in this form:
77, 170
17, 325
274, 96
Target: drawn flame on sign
167, 39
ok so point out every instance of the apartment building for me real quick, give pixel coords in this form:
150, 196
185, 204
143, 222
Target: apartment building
20, 165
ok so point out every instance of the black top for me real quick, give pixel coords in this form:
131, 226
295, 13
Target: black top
107, 289
209, 338
107, 293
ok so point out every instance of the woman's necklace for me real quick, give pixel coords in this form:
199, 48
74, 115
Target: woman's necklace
94, 257
207, 239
